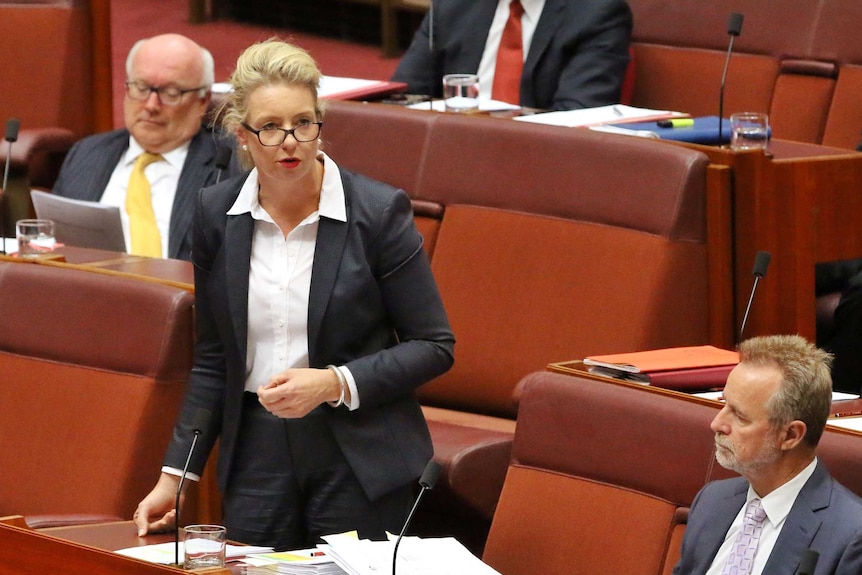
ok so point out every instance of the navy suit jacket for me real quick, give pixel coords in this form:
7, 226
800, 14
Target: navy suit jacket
577, 58
91, 161
373, 306
826, 517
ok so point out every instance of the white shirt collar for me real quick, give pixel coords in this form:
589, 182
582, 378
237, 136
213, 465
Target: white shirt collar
778, 503
332, 201
175, 157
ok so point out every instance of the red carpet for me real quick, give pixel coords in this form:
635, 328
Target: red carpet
135, 19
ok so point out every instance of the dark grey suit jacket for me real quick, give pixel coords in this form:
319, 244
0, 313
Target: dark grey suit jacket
91, 161
577, 58
373, 306
826, 517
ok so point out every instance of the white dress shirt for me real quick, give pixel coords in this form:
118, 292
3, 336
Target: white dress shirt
529, 21
163, 177
777, 506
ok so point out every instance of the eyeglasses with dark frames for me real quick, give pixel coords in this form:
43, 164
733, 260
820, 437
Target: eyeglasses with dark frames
168, 96
271, 136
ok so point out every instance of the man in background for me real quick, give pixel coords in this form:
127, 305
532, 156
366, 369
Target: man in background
153, 168
573, 53
777, 401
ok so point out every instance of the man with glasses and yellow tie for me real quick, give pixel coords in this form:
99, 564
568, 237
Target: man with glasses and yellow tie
153, 167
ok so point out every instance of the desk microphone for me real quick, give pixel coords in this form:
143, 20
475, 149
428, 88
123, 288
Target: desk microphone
734, 27
808, 562
427, 481
222, 161
433, 60
12, 125
199, 423
761, 262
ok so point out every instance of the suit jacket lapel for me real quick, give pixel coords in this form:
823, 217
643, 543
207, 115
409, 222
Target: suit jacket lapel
801, 525
723, 515
331, 239
546, 29
237, 252
474, 24
195, 175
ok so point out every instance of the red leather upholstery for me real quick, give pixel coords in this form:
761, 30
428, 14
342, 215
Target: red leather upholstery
93, 368
548, 243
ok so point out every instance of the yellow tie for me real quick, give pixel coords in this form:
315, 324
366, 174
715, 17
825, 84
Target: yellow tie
146, 240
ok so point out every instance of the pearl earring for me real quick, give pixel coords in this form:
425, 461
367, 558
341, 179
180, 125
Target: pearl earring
244, 147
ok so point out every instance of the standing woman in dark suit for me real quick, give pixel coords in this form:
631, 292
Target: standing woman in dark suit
317, 317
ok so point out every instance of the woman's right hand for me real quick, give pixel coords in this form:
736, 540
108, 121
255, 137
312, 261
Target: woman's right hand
156, 513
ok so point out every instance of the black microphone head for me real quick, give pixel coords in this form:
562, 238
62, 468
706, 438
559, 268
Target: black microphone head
223, 157
734, 24
12, 125
761, 262
808, 562
430, 475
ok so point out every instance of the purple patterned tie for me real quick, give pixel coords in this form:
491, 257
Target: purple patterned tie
741, 557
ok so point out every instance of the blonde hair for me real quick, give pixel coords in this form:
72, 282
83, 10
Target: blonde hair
806, 383
266, 63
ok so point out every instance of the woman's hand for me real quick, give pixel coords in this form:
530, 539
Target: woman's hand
156, 512
295, 392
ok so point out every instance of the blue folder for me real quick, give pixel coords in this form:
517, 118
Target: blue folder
704, 130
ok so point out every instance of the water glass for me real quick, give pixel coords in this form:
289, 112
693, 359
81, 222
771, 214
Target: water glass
204, 546
749, 131
461, 92
35, 237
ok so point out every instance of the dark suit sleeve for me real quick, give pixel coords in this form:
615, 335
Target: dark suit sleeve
411, 303
416, 67
596, 61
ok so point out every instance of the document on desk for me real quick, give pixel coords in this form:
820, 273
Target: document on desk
484, 106
164, 553
416, 556
616, 114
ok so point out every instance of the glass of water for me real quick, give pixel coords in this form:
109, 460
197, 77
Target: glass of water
749, 131
35, 237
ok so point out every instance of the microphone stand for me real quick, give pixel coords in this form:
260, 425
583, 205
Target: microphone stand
179, 492
427, 481
734, 27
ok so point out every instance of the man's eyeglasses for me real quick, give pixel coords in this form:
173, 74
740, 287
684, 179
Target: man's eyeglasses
168, 96
272, 136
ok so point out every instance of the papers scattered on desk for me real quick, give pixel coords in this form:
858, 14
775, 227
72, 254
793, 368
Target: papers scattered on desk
601, 115
416, 556
302, 562
484, 106
165, 553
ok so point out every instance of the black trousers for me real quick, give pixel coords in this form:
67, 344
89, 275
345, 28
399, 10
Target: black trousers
290, 484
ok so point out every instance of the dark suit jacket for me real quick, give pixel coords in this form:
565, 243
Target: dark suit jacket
826, 517
89, 164
577, 58
373, 306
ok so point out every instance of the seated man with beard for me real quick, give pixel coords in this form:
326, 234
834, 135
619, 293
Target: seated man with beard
777, 402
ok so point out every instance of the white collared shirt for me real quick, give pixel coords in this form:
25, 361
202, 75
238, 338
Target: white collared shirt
529, 21
163, 177
777, 506
280, 282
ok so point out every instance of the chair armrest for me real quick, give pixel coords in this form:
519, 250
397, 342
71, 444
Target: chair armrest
39, 153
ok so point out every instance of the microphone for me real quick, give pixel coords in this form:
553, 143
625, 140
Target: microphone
808, 562
761, 262
12, 125
431, 52
734, 27
222, 161
427, 481
199, 423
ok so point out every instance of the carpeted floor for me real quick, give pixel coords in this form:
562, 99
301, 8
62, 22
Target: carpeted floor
134, 19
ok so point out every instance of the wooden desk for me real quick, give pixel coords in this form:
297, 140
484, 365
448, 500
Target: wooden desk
82, 550
801, 203
178, 273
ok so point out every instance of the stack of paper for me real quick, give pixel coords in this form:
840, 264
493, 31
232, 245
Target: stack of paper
615, 114
416, 556
302, 562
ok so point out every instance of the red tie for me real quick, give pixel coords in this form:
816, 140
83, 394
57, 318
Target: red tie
510, 58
